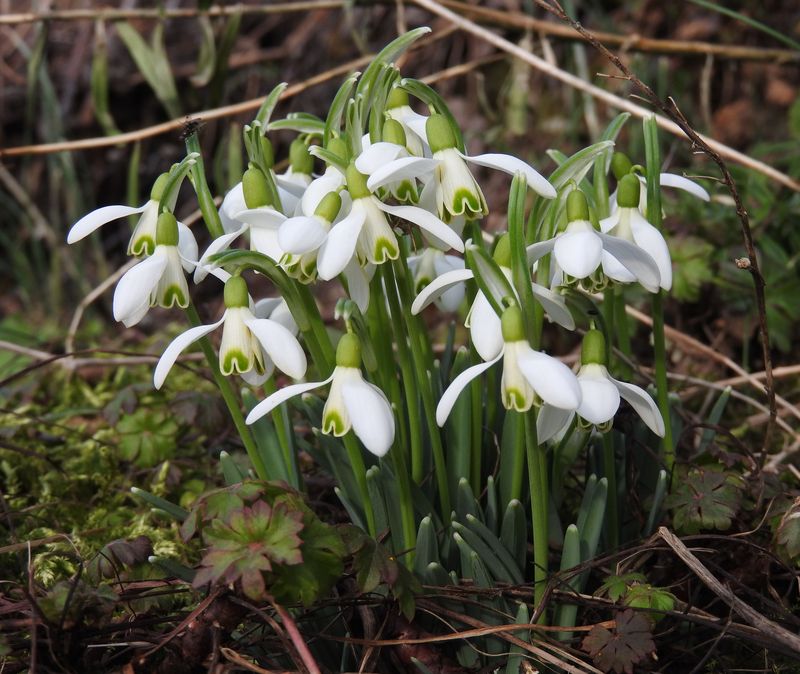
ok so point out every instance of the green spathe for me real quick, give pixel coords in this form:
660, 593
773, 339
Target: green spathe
393, 132
440, 134
236, 293
513, 325
255, 188
577, 208
348, 351
397, 98
593, 349
628, 191
167, 230
267, 152
338, 147
502, 251
329, 206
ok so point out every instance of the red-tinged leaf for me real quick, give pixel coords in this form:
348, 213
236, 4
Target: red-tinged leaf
628, 644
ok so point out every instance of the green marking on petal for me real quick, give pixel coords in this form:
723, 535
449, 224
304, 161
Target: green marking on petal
514, 399
385, 249
333, 424
174, 295
467, 201
234, 361
407, 192
142, 245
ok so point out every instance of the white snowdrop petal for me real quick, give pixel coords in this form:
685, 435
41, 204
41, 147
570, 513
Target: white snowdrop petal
177, 346
254, 378
458, 384
271, 402
377, 156
340, 246
405, 168
232, 204
265, 217
554, 305
187, 247
136, 284
216, 246
508, 164
301, 235
485, 328
330, 181
643, 404
357, 285
626, 262
96, 219
649, 239
553, 381
536, 251
370, 415
578, 253
600, 400
551, 421
280, 345
427, 221
681, 183
439, 285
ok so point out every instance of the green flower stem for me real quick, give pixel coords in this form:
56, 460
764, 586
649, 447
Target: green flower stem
610, 469
204, 197
320, 332
518, 460
622, 328
476, 436
662, 387
423, 381
231, 400
407, 374
608, 323
284, 439
537, 485
356, 458
398, 455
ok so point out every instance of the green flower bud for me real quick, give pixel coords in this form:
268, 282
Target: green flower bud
620, 165
236, 293
577, 208
356, 182
397, 98
166, 230
348, 351
255, 188
593, 349
299, 158
502, 251
159, 186
628, 191
329, 207
267, 152
338, 147
513, 325
440, 133
393, 132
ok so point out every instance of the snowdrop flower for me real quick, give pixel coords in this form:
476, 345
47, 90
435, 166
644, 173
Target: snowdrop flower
143, 239
628, 224
528, 376
251, 347
352, 402
583, 254
457, 191
482, 320
600, 396
365, 233
621, 166
302, 236
157, 280
258, 218
376, 155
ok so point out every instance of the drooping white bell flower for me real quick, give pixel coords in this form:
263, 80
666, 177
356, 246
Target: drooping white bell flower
398, 109
352, 402
250, 347
457, 191
143, 239
628, 224
298, 176
258, 218
374, 156
581, 253
482, 320
600, 396
528, 376
158, 280
431, 264
365, 233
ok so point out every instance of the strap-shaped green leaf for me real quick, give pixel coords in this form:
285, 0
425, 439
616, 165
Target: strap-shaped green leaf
171, 509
